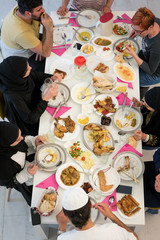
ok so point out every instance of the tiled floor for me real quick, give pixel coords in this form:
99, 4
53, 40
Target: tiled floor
14, 215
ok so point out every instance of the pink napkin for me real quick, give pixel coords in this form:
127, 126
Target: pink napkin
49, 182
125, 21
62, 110
73, 21
60, 51
120, 99
129, 83
106, 200
128, 148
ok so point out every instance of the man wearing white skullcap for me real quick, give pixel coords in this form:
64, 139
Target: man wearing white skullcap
77, 208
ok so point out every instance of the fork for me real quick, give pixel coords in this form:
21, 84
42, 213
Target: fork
131, 104
121, 18
84, 96
63, 36
62, 94
83, 91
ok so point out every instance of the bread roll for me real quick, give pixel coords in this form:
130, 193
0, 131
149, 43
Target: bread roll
132, 141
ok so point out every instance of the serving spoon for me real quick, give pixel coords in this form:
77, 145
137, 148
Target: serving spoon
83, 37
121, 18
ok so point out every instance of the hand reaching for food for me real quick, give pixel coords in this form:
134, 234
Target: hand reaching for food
133, 34
32, 169
138, 135
52, 91
57, 76
130, 51
136, 102
104, 209
39, 140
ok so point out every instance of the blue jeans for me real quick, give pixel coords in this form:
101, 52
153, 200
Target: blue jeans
146, 79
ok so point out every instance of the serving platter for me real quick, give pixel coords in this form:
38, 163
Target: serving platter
124, 72
62, 64
58, 32
110, 41
86, 22
135, 161
92, 62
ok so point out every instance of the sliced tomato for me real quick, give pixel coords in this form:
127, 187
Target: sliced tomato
105, 112
83, 158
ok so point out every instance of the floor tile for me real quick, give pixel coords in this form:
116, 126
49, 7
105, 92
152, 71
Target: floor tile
14, 228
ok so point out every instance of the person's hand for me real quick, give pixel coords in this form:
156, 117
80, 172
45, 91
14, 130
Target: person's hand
130, 51
32, 169
136, 102
105, 9
157, 183
39, 140
104, 209
62, 10
46, 20
62, 220
51, 92
39, 57
138, 135
57, 76
133, 34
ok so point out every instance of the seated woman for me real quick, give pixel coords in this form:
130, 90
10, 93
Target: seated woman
150, 133
15, 169
21, 90
147, 26
152, 184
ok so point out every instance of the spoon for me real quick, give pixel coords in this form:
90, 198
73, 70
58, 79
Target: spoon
121, 18
121, 133
83, 37
111, 200
83, 97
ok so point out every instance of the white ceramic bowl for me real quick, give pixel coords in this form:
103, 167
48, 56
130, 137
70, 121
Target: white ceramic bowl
88, 49
83, 117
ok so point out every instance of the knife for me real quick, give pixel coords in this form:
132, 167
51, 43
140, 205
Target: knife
66, 17
124, 103
59, 47
63, 25
57, 109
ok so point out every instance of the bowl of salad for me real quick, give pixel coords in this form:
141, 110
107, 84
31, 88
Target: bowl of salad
120, 29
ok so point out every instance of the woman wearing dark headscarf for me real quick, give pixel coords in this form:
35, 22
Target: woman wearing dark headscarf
21, 90
15, 167
150, 133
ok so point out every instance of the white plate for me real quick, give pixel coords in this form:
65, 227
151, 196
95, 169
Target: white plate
77, 89
85, 22
103, 37
62, 64
94, 212
135, 161
82, 29
44, 152
100, 53
62, 167
102, 97
119, 197
92, 62
112, 178
125, 65
67, 136
57, 37
124, 26
119, 115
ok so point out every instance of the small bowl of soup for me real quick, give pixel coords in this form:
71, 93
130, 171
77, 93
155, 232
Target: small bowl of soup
85, 32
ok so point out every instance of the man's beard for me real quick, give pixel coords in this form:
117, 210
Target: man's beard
33, 17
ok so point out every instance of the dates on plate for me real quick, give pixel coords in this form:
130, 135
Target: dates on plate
105, 120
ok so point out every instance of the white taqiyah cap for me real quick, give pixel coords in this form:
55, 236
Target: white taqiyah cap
74, 198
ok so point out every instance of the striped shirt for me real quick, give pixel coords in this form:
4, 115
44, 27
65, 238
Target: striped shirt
83, 4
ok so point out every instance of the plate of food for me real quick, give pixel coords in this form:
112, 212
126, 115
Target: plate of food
87, 49
88, 18
105, 53
102, 41
58, 32
124, 72
105, 104
120, 29
62, 96
98, 139
119, 46
127, 120
128, 207
85, 32
129, 166
70, 175
82, 94
95, 64
65, 128
80, 154
62, 64
105, 179
104, 84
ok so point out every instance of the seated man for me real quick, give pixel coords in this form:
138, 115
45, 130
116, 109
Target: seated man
20, 33
78, 5
77, 208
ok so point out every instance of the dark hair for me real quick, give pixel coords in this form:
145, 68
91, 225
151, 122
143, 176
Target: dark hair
79, 217
144, 18
28, 5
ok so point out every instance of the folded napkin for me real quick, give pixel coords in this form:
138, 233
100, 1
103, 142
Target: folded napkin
62, 110
49, 182
73, 21
128, 148
129, 83
120, 99
113, 206
60, 51
125, 21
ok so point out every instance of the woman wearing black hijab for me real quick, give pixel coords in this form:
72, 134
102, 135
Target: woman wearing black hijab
21, 90
150, 133
15, 166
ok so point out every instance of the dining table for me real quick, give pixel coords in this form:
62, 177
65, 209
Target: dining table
45, 128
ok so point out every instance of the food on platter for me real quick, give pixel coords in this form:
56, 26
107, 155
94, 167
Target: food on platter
50, 157
99, 135
102, 41
101, 67
64, 74
124, 72
85, 157
83, 119
102, 182
132, 141
87, 49
121, 47
118, 123
105, 120
105, 106
87, 187
84, 34
48, 202
79, 92
119, 30
122, 87
102, 83
130, 115
126, 166
119, 58
60, 130
133, 122
70, 176
128, 205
